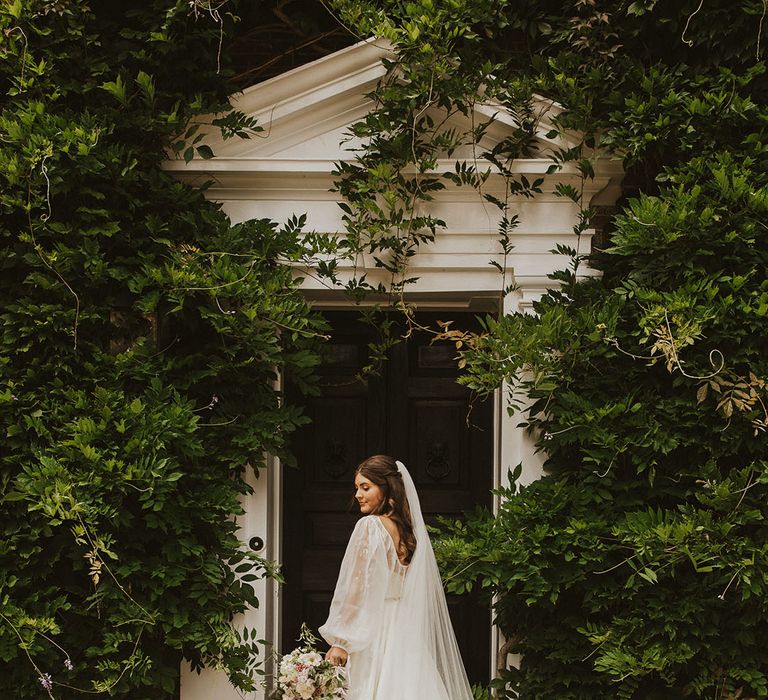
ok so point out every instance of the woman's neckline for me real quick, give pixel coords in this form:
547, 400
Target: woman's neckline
391, 539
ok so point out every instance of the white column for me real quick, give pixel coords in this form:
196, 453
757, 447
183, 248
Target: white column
516, 446
254, 523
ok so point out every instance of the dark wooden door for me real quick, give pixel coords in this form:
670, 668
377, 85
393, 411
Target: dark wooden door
415, 411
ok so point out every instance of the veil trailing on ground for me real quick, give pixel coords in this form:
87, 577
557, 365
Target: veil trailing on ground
429, 656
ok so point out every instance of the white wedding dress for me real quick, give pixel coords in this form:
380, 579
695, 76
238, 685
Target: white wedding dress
393, 619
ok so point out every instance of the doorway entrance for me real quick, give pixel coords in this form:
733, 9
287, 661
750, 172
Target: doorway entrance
417, 412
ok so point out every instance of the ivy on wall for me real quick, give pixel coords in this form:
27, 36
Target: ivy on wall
141, 336
141, 333
634, 568
444, 73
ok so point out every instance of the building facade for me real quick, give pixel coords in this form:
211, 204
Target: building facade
415, 410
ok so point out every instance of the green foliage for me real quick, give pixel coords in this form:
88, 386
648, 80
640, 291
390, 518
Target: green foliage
142, 332
141, 336
397, 168
439, 73
635, 567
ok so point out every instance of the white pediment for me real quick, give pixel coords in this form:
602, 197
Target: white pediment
306, 115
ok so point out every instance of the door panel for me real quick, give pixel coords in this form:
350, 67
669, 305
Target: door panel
414, 411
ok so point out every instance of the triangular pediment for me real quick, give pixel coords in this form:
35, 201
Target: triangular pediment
306, 114
290, 166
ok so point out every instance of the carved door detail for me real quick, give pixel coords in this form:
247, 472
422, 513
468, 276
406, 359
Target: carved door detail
414, 411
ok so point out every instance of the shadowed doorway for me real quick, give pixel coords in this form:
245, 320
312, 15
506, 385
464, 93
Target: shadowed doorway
415, 411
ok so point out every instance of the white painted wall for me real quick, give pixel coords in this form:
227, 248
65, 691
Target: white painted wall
258, 506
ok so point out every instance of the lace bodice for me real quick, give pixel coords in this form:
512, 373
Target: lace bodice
370, 575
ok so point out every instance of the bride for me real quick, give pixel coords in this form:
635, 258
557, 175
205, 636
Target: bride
389, 620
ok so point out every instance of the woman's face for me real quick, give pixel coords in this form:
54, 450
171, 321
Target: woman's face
367, 494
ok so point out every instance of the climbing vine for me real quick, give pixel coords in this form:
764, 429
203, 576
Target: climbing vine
414, 144
141, 336
632, 569
141, 333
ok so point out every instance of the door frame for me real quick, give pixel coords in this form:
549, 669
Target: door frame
511, 445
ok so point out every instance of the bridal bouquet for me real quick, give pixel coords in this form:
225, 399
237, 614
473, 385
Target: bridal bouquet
305, 675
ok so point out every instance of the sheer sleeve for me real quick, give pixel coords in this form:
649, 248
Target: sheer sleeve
360, 590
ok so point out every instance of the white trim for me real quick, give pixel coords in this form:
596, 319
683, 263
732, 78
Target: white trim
337, 68
274, 599
245, 164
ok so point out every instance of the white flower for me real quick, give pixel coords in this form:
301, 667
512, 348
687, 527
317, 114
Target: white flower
305, 675
311, 658
305, 689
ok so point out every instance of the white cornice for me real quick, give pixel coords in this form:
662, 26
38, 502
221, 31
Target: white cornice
258, 178
354, 65
307, 111
533, 166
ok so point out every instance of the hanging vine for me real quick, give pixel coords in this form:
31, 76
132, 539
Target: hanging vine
433, 85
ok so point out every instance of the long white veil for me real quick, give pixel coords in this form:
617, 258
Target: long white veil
429, 657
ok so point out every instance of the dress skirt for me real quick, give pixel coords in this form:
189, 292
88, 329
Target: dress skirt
364, 667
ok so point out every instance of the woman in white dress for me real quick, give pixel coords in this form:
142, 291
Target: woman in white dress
389, 619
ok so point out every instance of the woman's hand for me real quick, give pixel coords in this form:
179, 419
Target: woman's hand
337, 656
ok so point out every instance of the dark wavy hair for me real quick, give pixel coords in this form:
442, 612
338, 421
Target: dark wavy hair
382, 471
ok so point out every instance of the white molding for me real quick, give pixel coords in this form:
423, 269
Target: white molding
248, 172
246, 164
349, 65
274, 599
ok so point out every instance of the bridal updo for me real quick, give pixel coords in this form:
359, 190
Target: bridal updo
382, 471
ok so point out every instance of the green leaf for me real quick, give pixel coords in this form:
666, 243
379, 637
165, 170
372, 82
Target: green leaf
205, 151
117, 89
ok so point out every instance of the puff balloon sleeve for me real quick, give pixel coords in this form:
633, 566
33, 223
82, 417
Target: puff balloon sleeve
358, 599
